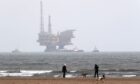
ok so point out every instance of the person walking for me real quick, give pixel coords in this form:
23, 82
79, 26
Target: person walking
64, 70
96, 69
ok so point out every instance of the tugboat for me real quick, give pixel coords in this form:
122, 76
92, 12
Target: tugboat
16, 51
95, 49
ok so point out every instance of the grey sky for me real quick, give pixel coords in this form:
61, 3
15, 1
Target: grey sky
111, 25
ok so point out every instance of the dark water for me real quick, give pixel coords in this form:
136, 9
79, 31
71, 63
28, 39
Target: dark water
109, 62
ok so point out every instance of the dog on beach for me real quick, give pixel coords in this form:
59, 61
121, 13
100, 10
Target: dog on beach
102, 78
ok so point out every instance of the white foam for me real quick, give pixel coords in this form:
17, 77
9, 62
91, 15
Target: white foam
24, 73
3, 71
36, 71
72, 71
129, 75
56, 76
69, 76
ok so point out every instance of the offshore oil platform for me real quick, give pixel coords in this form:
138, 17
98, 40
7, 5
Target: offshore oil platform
53, 42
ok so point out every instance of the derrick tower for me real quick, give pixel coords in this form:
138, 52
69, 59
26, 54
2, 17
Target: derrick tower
50, 40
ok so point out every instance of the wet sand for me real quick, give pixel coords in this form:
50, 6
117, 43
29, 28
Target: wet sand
17, 80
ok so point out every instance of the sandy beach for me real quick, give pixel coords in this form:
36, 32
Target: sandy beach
16, 80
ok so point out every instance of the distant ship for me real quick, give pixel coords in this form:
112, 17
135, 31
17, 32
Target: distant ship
95, 49
16, 51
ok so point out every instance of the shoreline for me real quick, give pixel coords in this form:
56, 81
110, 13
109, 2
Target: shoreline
70, 74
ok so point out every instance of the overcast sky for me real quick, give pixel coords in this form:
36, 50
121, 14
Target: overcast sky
111, 25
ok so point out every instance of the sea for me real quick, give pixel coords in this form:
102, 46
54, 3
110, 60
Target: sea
49, 64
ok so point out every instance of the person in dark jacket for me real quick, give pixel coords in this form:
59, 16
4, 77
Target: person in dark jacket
96, 69
64, 70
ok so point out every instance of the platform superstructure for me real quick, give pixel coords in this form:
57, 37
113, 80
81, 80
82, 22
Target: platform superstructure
53, 42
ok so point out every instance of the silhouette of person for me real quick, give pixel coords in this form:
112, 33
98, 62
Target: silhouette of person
64, 70
96, 69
